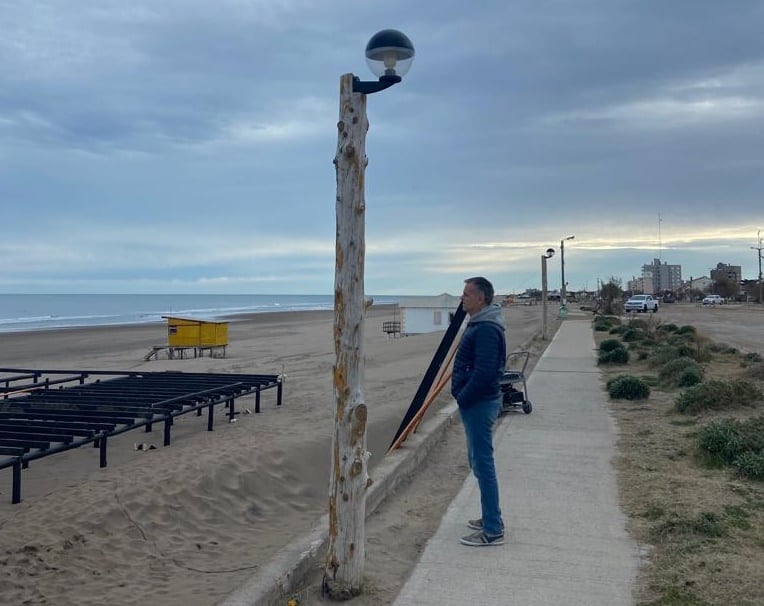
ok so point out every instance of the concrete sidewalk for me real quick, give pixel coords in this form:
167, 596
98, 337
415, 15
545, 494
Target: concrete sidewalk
566, 542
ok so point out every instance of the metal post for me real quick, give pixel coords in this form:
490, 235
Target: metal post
563, 290
543, 298
562, 271
759, 248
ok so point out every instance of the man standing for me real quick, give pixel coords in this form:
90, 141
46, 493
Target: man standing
478, 366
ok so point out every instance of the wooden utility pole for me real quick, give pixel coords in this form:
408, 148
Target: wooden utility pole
349, 478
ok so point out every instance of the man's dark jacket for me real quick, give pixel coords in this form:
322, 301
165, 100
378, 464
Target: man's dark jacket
480, 359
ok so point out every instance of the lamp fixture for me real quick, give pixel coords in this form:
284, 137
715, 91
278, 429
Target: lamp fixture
389, 55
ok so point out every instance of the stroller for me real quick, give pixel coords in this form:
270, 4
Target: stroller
512, 397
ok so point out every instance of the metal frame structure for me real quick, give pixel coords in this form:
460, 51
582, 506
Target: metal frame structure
42, 413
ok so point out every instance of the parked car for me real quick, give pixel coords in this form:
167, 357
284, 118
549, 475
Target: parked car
714, 300
641, 303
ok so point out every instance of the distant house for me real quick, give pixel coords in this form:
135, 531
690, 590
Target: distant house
426, 314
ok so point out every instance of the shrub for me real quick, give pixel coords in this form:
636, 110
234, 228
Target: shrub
610, 344
717, 395
671, 372
702, 354
722, 348
627, 387
706, 524
686, 330
638, 323
751, 358
722, 440
605, 323
750, 465
633, 334
690, 377
676, 339
668, 328
662, 355
736, 443
755, 371
685, 351
618, 330
616, 356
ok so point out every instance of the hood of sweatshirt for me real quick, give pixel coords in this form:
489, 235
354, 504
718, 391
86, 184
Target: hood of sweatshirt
492, 314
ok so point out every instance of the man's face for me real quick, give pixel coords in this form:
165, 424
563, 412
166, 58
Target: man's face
472, 299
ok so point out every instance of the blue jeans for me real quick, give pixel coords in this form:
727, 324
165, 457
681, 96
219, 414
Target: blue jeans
478, 422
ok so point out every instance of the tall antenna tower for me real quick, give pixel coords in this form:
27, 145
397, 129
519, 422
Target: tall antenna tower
660, 240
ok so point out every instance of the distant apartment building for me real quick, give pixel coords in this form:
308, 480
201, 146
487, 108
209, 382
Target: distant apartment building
662, 276
727, 272
642, 285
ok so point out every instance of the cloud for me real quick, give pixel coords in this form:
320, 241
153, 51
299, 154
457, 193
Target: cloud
190, 144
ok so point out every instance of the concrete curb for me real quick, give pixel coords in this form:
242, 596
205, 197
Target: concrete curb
283, 574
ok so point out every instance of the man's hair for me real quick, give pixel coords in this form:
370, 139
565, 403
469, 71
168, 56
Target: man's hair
484, 286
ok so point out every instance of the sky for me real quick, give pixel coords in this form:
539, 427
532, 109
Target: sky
187, 146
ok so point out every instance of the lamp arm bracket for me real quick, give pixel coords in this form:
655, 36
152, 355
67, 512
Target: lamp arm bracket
369, 87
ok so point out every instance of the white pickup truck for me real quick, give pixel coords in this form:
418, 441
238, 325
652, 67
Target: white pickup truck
713, 300
641, 303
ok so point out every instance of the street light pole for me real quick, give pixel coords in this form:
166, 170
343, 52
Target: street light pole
549, 254
389, 54
759, 248
563, 296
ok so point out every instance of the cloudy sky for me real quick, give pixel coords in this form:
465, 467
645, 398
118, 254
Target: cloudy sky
186, 146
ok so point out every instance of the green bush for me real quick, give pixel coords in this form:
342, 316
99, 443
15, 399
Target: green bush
751, 358
721, 348
685, 351
672, 371
605, 323
616, 356
626, 387
686, 330
717, 395
638, 323
736, 443
690, 377
706, 524
722, 440
668, 328
633, 334
618, 330
662, 355
750, 465
610, 344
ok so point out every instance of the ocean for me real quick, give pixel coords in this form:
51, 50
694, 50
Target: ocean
19, 312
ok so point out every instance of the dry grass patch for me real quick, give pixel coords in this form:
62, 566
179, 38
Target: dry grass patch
701, 522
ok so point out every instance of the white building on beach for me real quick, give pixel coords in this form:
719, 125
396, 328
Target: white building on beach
426, 314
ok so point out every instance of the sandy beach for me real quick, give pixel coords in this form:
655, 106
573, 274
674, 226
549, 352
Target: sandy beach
188, 523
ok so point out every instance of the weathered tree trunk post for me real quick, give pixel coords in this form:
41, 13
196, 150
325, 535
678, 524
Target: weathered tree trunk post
349, 479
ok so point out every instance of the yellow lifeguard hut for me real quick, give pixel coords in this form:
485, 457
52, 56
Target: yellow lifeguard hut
197, 335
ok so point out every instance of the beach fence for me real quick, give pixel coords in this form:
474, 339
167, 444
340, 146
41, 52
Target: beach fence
192, 335
44, 412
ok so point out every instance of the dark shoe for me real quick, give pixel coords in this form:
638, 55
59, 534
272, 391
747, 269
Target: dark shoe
481, 539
